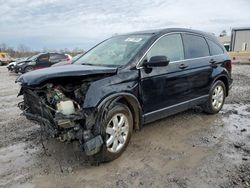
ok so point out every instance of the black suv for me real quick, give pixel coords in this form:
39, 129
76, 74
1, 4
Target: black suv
125, 82
39, 61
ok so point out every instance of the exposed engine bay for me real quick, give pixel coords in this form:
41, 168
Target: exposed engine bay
57, 106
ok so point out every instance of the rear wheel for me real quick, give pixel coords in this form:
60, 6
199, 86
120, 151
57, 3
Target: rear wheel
216, 99
117, 130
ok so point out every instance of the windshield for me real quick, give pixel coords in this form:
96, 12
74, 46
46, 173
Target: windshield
115, 51
29, 57
32, 58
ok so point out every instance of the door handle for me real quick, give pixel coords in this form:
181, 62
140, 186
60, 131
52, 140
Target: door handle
212, 61
183, 66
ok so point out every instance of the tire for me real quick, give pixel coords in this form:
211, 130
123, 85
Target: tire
28, 69
217, 95
11, 68
109, 152
1, 63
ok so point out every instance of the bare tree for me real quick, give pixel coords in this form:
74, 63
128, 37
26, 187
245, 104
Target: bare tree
76, 51
23, 51
22, 48
223, 33
3, 47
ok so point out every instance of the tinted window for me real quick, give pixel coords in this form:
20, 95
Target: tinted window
57, 56
195, 46
43, 58
215, 49
169, 46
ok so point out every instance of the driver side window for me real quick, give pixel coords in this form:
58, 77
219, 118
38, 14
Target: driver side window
169, 46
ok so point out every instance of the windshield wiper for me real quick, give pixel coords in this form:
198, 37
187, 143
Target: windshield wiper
98, 65
87, 64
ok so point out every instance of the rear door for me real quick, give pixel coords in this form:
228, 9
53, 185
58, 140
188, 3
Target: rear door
217, 53
197, 65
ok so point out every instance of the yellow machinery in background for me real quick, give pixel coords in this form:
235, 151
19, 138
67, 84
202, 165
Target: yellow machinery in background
4, 58
242, 57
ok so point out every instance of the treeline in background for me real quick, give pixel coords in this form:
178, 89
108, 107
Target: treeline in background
24, 51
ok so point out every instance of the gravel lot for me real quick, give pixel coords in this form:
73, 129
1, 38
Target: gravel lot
190, 149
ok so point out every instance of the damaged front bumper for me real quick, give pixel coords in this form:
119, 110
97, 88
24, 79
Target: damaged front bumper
66, 128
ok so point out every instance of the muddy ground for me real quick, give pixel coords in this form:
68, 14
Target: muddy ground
190, 149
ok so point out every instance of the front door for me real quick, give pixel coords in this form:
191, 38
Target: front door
164, 86
43, 61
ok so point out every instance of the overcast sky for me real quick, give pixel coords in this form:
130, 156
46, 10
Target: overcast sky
58, 24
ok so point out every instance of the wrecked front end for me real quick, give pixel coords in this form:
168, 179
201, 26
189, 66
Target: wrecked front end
58, 108
71, 103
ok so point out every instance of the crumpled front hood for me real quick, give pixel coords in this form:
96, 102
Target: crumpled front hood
38, 76
23, 61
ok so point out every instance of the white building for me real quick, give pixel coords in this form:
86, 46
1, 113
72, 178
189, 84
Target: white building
240, 39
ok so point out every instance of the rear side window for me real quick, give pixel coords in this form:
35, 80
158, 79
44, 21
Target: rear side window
215, 49
195, 46
169, 46
57, 56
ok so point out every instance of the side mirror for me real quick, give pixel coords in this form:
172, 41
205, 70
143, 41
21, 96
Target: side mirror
157, 61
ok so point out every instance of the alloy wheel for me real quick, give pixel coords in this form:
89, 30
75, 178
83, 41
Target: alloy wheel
117, 132
218, 97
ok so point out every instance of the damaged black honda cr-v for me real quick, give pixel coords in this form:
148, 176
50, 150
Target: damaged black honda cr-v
125, 82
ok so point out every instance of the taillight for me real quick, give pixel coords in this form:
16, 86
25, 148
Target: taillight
228, 65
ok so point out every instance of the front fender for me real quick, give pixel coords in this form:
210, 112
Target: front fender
122, 82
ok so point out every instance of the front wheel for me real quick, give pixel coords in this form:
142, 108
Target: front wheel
117, 131
28, 69
216, 99
11, 67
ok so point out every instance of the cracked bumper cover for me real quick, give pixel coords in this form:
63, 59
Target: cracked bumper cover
91, 144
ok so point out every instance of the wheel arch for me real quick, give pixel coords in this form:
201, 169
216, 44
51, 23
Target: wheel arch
26, 67
225, 80
128, 99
